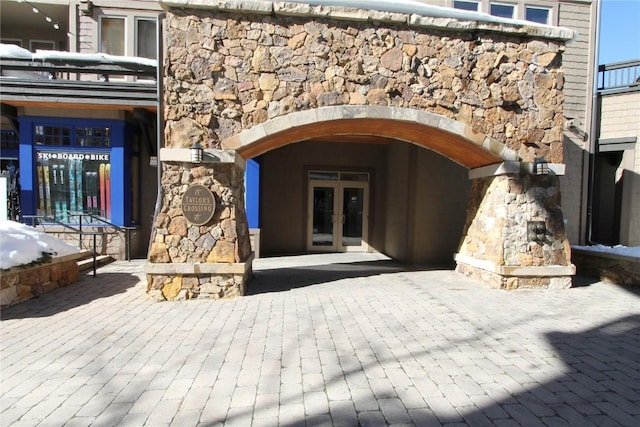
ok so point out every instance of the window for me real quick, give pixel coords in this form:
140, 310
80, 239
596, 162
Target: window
146, 38
466, 5
59, 136
112, 39
93, 137
502, 10
537, 14
9, 140
41, 45
73, 182
16, 42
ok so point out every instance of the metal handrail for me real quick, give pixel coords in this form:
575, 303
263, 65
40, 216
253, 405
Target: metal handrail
96, 218
51, 220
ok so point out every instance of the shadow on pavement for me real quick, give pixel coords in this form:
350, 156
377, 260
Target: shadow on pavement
287, 278
85, 290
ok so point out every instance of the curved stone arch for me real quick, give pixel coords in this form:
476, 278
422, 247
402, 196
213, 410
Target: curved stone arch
450, 138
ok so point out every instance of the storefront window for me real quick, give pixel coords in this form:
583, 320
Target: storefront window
93, 137
53, 135
73, 182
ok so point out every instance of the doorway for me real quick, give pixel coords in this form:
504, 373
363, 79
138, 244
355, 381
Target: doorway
338, 211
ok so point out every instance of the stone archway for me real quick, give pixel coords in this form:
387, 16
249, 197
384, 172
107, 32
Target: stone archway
455, 140
244, 78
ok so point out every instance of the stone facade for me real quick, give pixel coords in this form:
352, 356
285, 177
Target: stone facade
613, 268
228, 72
498, 239
243, 68
176, 243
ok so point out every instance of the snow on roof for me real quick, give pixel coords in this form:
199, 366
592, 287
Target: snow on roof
10, 51
21, 244
418, 12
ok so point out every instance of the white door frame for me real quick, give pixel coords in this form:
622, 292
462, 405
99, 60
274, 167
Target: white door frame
337, 216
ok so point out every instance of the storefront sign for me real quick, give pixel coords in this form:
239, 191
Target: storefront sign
198, 204
62, 155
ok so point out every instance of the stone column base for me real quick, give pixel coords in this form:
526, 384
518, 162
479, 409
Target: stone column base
516, 277
181, 281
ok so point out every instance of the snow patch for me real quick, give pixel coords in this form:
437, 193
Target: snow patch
10, 51
21, 244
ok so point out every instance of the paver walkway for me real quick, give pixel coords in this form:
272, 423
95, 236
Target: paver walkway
337, 340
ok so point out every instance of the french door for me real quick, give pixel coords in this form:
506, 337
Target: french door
338, 214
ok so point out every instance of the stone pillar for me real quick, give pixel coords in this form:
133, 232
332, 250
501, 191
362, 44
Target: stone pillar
514, 235
200, 245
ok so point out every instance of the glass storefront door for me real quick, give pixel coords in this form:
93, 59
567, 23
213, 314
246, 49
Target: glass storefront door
337, 213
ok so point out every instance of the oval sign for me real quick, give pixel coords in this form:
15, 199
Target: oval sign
198, 204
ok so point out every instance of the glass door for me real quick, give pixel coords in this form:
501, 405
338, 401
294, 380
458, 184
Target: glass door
322, 207
337, 215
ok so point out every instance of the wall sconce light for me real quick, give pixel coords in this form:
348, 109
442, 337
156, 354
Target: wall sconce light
540, 166
196, 153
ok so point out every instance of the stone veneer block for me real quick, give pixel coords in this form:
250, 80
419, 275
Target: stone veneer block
276, 125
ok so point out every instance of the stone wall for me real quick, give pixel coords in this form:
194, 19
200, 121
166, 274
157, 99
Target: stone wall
25, 282
178, 246
613, 268
228, 72
498, 245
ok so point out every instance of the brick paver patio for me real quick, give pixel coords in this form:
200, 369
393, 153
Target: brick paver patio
323, 340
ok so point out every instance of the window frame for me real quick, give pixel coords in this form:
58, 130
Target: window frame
514, 6
478, 4
136, 35
50, 43
539, 7
125, 41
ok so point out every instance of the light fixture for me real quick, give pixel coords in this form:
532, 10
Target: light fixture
56, 26
196, 153
35, 9
540, 166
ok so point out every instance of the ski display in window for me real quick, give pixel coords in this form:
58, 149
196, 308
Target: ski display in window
71, 183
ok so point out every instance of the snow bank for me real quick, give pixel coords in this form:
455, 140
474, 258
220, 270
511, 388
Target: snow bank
10, 51
21, 244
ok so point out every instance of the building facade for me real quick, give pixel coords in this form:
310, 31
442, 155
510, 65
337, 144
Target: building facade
374, 184
79, 117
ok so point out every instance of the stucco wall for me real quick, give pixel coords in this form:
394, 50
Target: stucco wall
441, 195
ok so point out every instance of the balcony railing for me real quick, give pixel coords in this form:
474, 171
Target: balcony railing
619, 76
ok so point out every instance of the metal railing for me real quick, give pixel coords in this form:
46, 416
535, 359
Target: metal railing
94, 221
44, 220
97, 221
619, 76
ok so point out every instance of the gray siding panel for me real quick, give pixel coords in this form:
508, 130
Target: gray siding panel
575, 60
